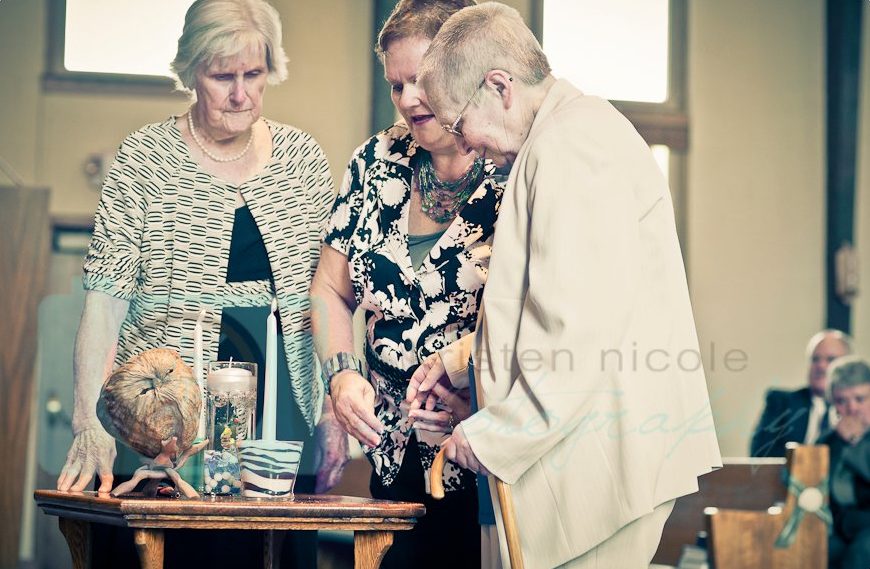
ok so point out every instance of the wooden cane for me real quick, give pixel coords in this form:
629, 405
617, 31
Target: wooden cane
505, 502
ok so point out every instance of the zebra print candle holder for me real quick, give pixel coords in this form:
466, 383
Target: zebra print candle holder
269, 468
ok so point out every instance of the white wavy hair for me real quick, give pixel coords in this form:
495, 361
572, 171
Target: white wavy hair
216, 29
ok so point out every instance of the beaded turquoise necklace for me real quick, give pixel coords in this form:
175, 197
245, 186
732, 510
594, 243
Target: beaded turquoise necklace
441, 201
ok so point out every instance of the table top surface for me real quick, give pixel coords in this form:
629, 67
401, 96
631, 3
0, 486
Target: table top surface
300, 506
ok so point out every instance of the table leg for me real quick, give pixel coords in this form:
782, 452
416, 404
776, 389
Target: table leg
272, 540
78, 539
369, 548
149, 544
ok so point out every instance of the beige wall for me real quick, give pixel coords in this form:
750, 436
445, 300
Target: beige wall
755, 196
21, 55
48, 136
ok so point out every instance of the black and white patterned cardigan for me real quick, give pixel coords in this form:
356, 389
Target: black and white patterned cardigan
409, 314
162, 236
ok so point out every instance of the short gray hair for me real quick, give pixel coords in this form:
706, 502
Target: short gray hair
472, 42
832, 333
847, 371
224, 28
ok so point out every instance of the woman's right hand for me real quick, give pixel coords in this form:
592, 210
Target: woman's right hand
456, 407
353, 399
92, 450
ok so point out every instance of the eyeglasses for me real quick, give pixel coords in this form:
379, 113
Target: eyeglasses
454, 128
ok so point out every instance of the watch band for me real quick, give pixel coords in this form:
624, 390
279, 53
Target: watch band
340, 362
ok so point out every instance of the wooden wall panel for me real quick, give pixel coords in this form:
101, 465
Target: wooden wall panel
24, 255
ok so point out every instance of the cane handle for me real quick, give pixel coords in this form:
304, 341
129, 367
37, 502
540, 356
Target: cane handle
436, 484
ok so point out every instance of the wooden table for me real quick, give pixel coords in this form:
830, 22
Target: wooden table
372, 521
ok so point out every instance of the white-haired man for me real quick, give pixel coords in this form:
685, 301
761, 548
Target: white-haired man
587, 411
803, 415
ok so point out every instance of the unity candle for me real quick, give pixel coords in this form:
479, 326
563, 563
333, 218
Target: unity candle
232, 397
232, 403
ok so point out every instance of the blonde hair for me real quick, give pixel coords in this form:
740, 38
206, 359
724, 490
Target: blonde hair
215, 29
417, 18
471, 43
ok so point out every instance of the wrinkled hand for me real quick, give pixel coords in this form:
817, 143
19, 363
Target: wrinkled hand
851, 428
92, 450
456, 407
422, 383
330, 453
353, 399
457, 449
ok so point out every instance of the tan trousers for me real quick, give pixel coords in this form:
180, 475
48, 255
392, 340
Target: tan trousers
632, 547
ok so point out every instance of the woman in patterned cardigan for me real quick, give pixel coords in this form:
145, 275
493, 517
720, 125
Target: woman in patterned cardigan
408, 241
216, 209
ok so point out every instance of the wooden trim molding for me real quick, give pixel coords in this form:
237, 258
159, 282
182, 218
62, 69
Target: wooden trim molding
658, 126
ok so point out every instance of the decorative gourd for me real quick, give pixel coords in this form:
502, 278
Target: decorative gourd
150, 399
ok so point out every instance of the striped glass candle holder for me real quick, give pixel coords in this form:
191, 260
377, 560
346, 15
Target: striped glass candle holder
269, 468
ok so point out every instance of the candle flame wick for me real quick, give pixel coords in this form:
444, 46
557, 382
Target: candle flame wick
274, 303
201, 316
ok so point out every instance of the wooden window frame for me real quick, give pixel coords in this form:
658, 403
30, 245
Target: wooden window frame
58, 78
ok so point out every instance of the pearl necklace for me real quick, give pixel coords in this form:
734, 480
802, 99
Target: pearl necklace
207, 152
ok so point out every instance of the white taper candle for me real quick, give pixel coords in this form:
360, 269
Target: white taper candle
270, 396
199, 373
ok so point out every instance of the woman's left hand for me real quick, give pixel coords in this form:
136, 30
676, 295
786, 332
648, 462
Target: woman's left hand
330, 453
456, 408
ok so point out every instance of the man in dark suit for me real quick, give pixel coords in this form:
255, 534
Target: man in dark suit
804, 415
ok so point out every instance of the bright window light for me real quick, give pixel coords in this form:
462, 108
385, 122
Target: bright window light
662, 154
616, 49
123, 36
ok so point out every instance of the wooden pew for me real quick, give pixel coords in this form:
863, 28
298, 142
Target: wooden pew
742, 483
741, 539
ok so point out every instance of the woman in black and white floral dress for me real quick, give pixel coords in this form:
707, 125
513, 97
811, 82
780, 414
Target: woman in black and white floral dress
409, 242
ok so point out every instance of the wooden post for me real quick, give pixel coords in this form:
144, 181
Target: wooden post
24, 250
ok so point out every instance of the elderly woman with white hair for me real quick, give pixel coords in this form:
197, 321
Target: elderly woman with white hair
849, 389
219, 209
585, 263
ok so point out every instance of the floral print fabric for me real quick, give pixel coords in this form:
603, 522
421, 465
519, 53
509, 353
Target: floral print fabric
409, 314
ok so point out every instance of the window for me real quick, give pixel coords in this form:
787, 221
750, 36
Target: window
616, 49
633, 53
662, 154
115, 44
630, 52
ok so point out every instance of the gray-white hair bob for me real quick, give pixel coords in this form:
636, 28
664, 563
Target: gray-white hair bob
847, 371
223, 28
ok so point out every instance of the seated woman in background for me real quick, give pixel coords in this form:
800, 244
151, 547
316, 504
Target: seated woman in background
216, 209
849, 385
409, 241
